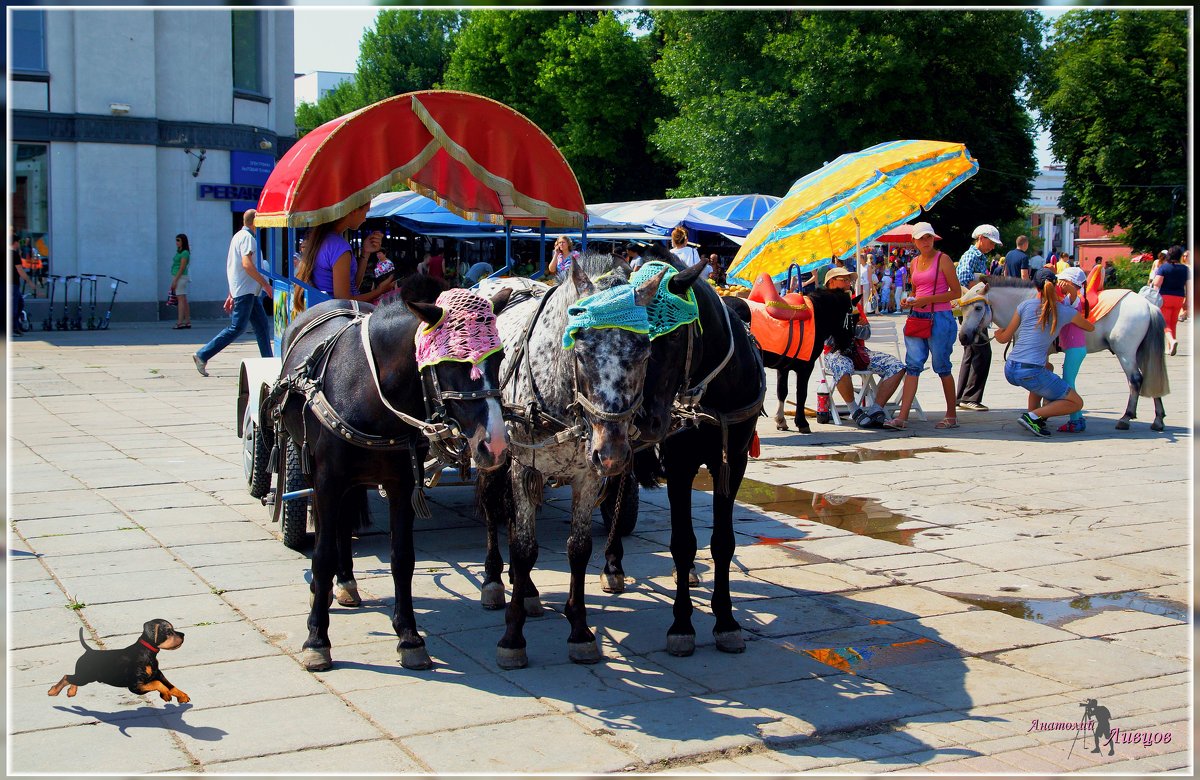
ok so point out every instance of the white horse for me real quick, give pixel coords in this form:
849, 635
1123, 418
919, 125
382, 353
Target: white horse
1132, 330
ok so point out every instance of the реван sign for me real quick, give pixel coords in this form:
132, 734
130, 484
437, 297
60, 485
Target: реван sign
248, 192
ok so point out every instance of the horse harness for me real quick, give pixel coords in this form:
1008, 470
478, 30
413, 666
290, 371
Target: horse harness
439, 429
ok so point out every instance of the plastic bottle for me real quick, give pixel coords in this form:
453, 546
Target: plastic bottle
824, 413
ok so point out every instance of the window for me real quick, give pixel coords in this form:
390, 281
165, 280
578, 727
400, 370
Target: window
29, 41
247, 51
31, 196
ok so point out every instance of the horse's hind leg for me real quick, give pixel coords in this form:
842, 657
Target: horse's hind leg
495, 499
411, 646
345, 589
581, 644
1159, 413
317, 655
681, 471
1134, 376
726, 631
522, 553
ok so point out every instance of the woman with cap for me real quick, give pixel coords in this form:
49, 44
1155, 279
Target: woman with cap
977, 356
935, 285
1034, 325
1072, 340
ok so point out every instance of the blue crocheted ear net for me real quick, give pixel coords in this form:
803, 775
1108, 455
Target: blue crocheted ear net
611, 308
667, 311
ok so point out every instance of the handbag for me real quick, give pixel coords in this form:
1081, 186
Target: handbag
860, 358
172, 298
1152, 295
918, 327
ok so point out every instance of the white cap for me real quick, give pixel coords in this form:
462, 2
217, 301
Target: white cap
989, 232
1075, 276
921, 229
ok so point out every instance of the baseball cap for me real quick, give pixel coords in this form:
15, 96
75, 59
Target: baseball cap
836, 272
921, 229
989, 232
1074, 275
1042, 276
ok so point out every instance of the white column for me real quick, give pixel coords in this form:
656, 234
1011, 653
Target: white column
1047, 234
1068, 239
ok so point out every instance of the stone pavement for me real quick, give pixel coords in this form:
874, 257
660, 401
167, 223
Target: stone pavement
916, 602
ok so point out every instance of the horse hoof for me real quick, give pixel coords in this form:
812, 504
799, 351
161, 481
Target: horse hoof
316, 659
681, 645
730, 641
346, 594
1122, 425
612, 583
805, 429
780, 425
492, 596
511, 658
533, 607
583, 652
312, 599
414, 657
1157, 425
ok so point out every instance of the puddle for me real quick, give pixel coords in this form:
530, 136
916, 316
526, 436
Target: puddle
862, 516
1056, 612
853, 660
867, 455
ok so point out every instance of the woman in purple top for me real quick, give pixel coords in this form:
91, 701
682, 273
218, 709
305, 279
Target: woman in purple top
328, 263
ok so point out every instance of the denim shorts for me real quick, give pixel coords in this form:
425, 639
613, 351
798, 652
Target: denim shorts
1038, 380
939, 344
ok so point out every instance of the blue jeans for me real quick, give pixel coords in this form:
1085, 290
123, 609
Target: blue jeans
939, 344
1040, 381
247, 310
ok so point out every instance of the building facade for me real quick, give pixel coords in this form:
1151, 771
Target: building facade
1084, 240
311, 87
131, 126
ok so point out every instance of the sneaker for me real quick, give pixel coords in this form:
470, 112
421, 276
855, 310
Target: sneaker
200, 364
1073, 426
858, 415
1035, 425
974, 406
875, 419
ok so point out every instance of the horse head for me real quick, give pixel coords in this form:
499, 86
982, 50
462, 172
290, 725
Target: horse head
976, 313
610, 357
675, 348
459, 354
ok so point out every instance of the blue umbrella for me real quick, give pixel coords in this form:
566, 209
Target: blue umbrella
743, 210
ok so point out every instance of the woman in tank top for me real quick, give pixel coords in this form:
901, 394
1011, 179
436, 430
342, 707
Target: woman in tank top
935, 285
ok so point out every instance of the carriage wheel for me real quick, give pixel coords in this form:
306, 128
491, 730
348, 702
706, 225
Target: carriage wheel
254, 461
293, 520
627, 512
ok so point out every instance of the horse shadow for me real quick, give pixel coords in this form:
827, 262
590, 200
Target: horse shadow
169, 718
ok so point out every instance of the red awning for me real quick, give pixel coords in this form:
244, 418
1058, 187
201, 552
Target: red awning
478, 158
897, 235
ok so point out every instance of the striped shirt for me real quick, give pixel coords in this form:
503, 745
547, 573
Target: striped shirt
972, 262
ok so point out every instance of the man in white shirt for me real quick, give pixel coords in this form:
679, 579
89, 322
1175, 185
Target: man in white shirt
242, 304
866, 280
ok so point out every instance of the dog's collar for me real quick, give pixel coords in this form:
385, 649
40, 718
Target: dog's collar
153, 649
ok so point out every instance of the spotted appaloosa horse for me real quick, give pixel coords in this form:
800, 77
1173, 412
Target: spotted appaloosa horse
574, 408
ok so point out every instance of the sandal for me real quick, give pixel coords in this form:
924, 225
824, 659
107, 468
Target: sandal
896, 424
178, 326
947, 423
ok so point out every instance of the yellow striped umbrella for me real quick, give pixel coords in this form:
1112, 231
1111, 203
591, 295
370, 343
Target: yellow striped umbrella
848, 202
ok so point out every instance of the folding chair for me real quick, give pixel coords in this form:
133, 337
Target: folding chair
864, 394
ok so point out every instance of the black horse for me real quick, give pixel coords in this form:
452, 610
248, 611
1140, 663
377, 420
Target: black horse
361, 418
834, 314
724, 385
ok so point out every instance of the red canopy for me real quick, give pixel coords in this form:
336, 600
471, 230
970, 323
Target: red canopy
897, 235
478, 158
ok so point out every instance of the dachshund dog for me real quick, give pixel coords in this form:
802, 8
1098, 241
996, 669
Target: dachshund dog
134, 667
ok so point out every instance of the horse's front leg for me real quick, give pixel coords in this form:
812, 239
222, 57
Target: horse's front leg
726, 631
522, 553
681, 472
581, 644
804, 369
411, 646
327, 494
495, 497
781, 392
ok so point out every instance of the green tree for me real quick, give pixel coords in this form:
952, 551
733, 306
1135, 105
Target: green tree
1113, 93
404, 51
763, 98
583, 78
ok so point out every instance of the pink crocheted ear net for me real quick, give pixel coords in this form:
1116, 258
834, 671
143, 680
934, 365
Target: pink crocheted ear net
466, 333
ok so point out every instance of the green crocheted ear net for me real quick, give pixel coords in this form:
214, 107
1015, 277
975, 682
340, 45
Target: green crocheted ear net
667, 311
611, 308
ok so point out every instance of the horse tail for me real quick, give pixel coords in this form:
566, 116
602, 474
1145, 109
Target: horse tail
1152, 359
648, 467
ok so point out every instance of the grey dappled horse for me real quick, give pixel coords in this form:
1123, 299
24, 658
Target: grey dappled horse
1132, 330
574, 409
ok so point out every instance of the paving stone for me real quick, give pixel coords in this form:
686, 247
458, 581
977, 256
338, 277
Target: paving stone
964, 683
610, 684
1088, 662
230, 683
107, 588
1102, 576
131, 747
557, 748
359, 758
1116, 621
901, 602
1166, 641
983, 631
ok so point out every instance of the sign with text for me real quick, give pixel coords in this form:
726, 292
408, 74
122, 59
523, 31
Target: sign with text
249, 168
232, 192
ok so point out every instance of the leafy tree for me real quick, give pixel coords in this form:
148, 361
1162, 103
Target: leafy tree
763, 98
405, 51
580, 76
1113, 92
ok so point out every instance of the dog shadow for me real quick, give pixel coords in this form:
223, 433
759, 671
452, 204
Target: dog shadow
169, 717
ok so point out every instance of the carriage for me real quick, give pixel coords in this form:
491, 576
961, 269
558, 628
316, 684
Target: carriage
473, 156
